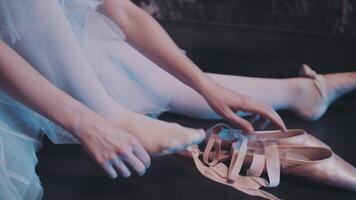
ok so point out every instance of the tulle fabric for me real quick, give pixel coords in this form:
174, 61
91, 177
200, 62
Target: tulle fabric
127, 76
20, 138
47, 33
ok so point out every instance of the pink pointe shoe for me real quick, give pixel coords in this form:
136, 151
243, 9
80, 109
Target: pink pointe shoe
295, 152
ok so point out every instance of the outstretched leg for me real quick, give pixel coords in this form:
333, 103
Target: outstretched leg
274, 92
299, 95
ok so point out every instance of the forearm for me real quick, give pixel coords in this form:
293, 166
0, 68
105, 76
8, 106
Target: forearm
22, 82
147, 36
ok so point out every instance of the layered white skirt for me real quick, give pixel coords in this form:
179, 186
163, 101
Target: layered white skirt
51, 35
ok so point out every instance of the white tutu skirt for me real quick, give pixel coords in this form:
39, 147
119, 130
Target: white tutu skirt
127, 76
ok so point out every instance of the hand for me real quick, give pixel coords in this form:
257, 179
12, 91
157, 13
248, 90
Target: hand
226, 103
114, 149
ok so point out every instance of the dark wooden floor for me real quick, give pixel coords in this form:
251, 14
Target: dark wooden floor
67, 172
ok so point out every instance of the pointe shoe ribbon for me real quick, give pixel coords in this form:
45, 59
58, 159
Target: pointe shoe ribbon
239, 148
295, 152
300, 154
219, 172
319, 81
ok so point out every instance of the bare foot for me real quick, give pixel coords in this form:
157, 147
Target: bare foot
159, 137
311, 101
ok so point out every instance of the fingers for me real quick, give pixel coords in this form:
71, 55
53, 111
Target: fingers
254, 118
272, 115
266, 112
141, 154
121, 167
238, 121
264, 123
258, 122
259, 110
135, 163
109, 169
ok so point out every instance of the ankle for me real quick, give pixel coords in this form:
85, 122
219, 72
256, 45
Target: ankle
120, 116
299, 88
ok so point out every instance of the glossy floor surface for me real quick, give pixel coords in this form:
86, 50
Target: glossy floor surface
68, 173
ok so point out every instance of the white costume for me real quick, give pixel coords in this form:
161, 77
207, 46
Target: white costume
81, 51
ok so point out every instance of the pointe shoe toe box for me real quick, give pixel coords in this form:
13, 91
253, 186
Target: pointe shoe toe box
328, 168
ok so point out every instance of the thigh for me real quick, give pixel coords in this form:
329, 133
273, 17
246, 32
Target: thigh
150, 76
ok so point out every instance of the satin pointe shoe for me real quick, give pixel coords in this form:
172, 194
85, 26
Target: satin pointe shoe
291, 137
211, 164
297, 139
317, 163
299, 154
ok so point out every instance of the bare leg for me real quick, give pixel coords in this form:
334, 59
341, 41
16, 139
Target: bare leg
296, 94
148, 37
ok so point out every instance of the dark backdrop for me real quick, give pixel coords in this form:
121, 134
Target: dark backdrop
264, 38
325, 16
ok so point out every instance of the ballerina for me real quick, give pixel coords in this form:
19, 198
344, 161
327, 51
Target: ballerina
99, 66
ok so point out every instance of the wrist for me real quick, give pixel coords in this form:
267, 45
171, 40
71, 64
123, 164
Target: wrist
82, 122
75, 117
203, 84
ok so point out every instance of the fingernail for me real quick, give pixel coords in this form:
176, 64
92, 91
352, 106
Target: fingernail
142, 173
284, 128
113, 175
250, 129
111, 171
148, 164
127, 174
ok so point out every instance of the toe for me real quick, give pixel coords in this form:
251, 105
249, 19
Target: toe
196, 136
170, 146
